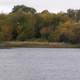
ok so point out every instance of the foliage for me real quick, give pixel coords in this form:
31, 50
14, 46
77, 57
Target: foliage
23, 8
68, 32
24, 23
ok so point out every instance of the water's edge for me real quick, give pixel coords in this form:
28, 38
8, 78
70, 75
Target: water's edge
28, 44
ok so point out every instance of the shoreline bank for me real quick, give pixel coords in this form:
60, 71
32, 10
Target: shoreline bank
32, 44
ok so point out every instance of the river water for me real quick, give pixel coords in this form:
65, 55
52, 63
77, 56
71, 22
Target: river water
39, 64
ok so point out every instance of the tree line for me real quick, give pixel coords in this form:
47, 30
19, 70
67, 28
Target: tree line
25, 23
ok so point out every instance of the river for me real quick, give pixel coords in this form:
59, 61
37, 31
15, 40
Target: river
39, 64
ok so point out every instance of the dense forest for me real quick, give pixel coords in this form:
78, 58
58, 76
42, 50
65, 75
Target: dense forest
25, 24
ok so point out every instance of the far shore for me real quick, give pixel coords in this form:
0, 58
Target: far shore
33, 44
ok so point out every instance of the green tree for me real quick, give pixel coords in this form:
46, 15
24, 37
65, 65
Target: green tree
23, 23
23, 8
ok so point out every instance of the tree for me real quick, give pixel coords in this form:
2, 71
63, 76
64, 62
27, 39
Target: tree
45, 25
68, 32
23, 23
23, 8
71, 13
77, 15
5, 27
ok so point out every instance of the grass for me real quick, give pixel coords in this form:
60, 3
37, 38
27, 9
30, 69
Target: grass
37, 44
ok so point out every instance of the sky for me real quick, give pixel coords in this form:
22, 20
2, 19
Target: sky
40, 5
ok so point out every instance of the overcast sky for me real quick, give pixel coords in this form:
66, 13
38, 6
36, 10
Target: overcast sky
39, 5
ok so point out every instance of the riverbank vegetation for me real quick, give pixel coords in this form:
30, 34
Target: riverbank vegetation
26, 24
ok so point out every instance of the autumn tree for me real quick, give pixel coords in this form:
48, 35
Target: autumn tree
68, 32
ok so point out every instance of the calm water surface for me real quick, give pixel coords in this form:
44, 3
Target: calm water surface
39, 64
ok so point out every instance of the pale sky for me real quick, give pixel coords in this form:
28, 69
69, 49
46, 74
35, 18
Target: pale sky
40, 5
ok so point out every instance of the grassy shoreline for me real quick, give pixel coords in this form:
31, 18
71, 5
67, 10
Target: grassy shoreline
33, 44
